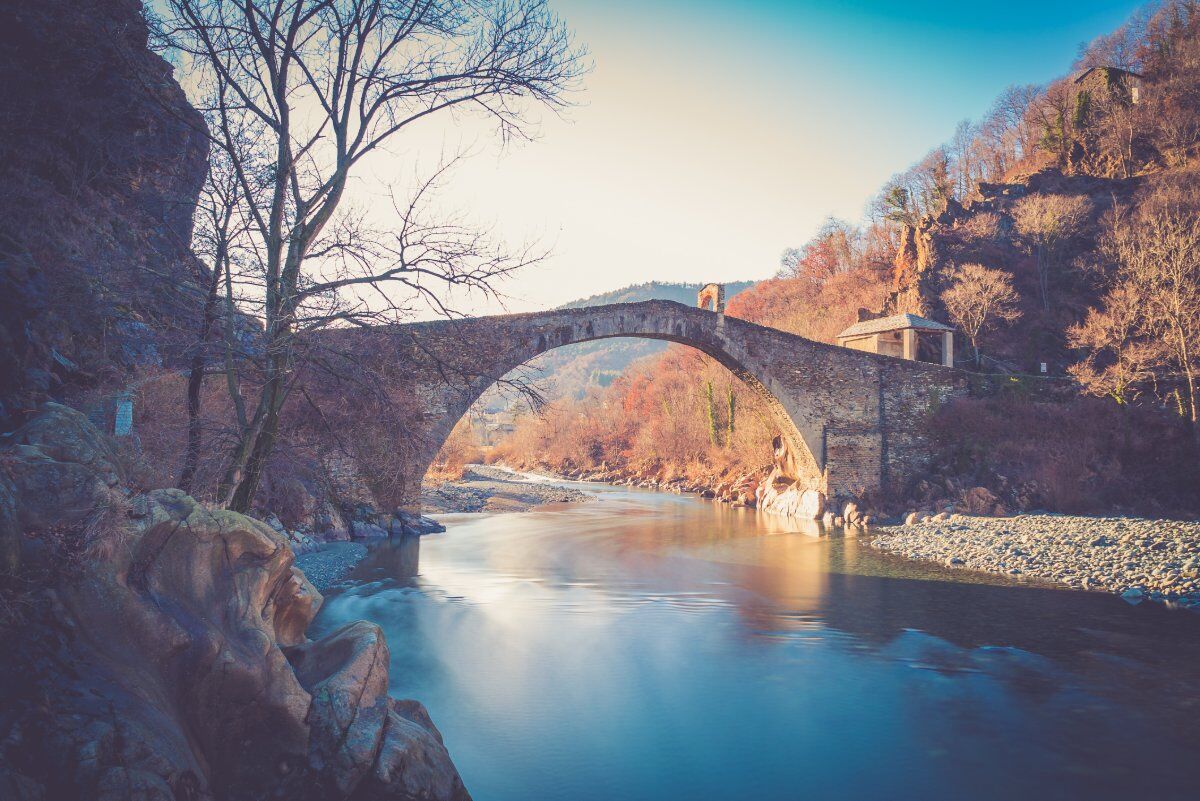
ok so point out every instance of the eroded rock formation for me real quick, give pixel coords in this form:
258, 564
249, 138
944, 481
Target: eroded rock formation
168, 658
101, 160
784, 491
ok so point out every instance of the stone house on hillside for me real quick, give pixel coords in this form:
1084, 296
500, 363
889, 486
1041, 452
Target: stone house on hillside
904, 336
1111, 83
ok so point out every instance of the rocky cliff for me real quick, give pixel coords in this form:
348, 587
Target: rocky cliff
154, 648
160, 653
983, 230
101, 160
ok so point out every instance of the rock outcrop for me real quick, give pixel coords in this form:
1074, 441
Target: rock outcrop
163, 654
101, 161
784, 493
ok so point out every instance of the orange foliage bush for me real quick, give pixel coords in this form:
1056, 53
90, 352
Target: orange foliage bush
656, 421
461, 449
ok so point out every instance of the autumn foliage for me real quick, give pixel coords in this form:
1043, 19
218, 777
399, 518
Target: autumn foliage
1059, 229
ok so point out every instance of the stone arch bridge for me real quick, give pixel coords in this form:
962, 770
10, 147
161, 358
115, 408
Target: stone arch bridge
852, 420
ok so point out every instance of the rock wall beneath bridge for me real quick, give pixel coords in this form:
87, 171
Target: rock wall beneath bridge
853, 420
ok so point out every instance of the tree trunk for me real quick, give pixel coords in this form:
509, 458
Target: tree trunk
257, 445
731, 427
232, 382
714, 432
195, 387
247, 488
1185, 360
240, 455
1043, 278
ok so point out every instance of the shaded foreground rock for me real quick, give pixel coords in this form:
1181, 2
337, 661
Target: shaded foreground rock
172, 662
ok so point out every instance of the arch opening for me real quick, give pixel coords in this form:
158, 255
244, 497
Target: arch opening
799, 460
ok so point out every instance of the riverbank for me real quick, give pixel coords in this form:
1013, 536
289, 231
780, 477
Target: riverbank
1136, 558
485, 488
481, 489
328, 564
739, 490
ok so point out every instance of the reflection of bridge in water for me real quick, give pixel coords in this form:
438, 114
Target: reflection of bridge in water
852, 420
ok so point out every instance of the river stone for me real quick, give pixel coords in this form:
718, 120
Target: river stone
812, 505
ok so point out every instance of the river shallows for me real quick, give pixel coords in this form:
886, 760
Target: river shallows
651, 646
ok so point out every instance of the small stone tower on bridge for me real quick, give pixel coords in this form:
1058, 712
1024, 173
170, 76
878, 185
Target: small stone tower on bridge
712, 295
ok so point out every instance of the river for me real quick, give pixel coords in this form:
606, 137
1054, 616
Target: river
654, 646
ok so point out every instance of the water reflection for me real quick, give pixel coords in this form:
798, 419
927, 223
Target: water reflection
393, 559
651, 646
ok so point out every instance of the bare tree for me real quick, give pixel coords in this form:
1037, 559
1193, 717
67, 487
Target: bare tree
1157, 249
978, 299
1049, 222
1053, 113
219, 229
1118, 357
302, 92
1010, 128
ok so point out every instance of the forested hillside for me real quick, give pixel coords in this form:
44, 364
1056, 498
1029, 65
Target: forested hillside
1062, 229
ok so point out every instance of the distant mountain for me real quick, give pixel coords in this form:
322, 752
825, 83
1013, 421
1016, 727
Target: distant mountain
654, 290
569, 372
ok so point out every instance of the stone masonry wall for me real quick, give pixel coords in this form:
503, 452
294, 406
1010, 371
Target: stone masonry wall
854, 418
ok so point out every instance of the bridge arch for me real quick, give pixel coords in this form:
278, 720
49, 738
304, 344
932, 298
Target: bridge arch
830, 404
675, 323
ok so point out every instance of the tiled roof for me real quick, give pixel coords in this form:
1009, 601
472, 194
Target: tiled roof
894, 323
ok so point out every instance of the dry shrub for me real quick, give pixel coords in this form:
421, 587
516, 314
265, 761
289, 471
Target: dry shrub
983, 227
1085, 454
106, 530
461, 448
288, 491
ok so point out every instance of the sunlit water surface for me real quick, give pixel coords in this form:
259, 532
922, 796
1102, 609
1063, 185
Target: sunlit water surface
650, 646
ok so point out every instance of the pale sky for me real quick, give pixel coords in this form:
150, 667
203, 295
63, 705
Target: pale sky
710, 136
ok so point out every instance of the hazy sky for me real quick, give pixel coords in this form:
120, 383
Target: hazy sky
710, 136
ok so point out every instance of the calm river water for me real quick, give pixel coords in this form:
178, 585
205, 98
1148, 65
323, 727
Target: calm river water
651, 646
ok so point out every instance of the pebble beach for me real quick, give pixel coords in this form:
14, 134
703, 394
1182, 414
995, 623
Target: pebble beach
1136, 558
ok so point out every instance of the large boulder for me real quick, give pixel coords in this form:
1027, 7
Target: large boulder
174, 664
781, 495
58, 471
981, 501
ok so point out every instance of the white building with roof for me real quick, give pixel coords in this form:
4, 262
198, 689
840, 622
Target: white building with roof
905, 336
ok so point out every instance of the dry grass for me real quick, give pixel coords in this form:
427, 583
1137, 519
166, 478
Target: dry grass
106, 530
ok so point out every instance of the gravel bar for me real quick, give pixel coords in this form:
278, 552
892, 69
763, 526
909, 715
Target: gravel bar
1133, 557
